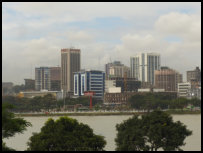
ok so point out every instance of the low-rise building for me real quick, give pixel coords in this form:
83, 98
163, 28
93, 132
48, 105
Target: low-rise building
183, 89
127, 84
32, 94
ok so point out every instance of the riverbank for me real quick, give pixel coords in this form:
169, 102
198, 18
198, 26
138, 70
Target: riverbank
101, 113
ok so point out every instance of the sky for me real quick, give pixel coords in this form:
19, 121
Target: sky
33, 34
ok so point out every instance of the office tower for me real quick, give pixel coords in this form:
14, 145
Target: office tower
116, 69
91, 80
143, 65
194, 76
55, 78
167, 79
70, 63
42, 78
29, 84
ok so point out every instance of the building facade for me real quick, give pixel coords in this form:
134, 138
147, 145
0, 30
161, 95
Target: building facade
127, 84
70, 63
194, 75
42, 78
167, 79
91, 80
116, 69
55, 78
183, 89
143, 65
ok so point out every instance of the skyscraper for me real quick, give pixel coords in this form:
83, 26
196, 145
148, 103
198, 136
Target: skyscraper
70, 63
143, 65
55, 78
42, 78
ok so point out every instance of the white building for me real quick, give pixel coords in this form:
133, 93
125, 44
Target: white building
110, 87
183, 89
143, 65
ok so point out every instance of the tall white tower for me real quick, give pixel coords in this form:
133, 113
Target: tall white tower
143, 65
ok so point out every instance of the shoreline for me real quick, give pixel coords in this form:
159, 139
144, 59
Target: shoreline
178, 112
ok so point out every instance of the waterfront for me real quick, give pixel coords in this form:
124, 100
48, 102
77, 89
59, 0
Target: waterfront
105, 125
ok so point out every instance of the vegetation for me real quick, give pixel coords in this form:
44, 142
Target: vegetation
66, 134
151, 132
152, 101
48, 102
11, 125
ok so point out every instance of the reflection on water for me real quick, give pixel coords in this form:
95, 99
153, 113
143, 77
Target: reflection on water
105, 125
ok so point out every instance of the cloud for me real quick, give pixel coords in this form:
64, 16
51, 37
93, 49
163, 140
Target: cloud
34, 33
183, 25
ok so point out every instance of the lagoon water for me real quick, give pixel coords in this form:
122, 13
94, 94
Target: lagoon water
105, 126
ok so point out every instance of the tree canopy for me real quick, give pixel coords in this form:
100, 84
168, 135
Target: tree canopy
156, 100
11, 125
66, 134
151, 132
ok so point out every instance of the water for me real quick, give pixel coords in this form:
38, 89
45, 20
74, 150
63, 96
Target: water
105, 126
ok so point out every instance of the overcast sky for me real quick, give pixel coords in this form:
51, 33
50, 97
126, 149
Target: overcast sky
34, 33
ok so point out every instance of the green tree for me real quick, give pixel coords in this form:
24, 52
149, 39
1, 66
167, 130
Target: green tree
151, 132
49, 102
66, 134
10, 124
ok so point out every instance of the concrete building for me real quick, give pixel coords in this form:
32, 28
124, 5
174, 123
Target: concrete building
194, 75
183, 89
42, 78
55, 78
29, 84
143, 65
90, 80
110, 87
31, 94
127, 84
167, 79
70, 63
116, 69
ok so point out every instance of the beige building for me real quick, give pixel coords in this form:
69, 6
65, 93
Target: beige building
119, 71
70, 63
167, 79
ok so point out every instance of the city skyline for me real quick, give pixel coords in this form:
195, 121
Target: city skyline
34, 33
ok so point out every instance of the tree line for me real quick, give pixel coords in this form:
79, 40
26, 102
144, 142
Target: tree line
151, 101
47, 102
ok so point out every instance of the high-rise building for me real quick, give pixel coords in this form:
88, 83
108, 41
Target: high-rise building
116, 69
167, 79
70, 63
91, 80
194, 76
143, 65
42, 78
55, 78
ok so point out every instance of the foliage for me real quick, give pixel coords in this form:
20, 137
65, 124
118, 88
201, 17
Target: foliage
155, 101
151, 131
11, 124
66, 134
